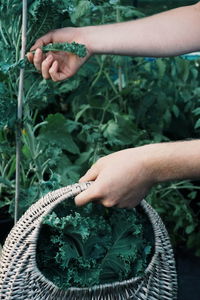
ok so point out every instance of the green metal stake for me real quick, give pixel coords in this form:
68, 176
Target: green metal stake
20, 112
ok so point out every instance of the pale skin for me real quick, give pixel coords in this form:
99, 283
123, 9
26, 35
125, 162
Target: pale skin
124, 178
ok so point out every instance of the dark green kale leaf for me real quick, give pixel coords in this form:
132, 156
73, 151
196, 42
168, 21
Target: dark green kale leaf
93, 245
73, 47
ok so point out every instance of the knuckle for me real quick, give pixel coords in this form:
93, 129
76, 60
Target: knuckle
46, 76
37, 60
70, 74
44, 64
55, 79
38, 41
109, 202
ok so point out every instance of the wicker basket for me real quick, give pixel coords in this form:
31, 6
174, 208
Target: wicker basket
20, 279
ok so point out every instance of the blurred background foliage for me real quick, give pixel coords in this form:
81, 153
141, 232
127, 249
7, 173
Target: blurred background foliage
111, 104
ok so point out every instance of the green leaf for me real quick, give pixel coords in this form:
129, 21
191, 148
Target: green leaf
197, 124
75, 48
161, 65
5, 203
5, 67
175, 110
190, 228
5, 182
83, 108
56, 133
81, 9
196, 111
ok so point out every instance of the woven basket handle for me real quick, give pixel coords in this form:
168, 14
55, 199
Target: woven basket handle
21, 279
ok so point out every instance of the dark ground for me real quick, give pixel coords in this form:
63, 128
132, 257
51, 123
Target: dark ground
188, 269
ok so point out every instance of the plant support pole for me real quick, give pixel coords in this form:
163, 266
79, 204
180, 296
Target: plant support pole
20, 111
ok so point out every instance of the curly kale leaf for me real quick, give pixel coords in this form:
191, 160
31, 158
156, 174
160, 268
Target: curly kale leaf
93, 245
127, 243
73, 47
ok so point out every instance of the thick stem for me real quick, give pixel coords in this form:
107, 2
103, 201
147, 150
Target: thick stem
19, 111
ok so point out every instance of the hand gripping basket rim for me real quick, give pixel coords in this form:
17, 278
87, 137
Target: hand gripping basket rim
20, 279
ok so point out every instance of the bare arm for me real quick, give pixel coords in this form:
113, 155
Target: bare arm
173, 32
125, 177
169, 33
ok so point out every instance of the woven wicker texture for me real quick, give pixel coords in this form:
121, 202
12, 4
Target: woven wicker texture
20, 279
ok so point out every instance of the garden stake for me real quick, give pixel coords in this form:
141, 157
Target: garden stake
19, 110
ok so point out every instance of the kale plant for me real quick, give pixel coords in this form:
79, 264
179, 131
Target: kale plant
93, 245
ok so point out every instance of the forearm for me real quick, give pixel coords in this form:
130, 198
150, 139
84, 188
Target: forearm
173, 161
169, 33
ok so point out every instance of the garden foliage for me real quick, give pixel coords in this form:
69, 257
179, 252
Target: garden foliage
92, 245
111, 104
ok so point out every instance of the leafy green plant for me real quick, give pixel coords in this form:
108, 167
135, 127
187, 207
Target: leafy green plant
111, 104
179, 199
93, 245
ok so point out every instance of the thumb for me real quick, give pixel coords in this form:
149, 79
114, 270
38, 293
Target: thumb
90, 175
87, 196
44, 40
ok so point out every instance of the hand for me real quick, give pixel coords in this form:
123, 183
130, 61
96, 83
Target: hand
58, 65
121, 179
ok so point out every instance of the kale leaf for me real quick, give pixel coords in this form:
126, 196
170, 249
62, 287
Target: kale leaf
91, 245
73, 47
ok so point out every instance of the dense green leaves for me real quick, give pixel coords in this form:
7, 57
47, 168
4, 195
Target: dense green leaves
111, 104
93, 245
55, 133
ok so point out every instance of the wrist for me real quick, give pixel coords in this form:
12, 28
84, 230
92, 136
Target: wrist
101, 39
173, 160
85, 35
158, 162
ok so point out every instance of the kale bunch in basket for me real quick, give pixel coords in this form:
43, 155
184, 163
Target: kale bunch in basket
91, 245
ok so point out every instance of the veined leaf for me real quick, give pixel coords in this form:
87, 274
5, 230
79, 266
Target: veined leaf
56, 133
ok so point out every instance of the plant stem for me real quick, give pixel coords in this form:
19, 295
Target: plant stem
19, 112
118, 19
3, 36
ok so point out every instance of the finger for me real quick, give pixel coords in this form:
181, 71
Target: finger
55, 74
90, 175
91, 194
46, 65
38, 58
30, 56
109, 202
44, 40
53, 71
